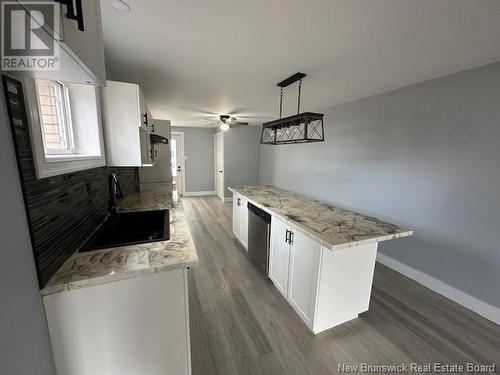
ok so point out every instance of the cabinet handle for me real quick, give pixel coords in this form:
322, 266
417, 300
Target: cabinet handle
74, 14
286, 236
290, 240
239, 202
146, 119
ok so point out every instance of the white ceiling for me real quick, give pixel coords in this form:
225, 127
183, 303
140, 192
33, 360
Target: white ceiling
222, 56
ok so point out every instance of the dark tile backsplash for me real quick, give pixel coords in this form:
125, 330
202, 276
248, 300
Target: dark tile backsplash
63, 211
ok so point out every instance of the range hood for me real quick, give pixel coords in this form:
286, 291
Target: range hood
303, 127
158, 139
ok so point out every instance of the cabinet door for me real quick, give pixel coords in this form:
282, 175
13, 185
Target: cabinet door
304, 268
237, 215
88, 45
279, 254
244, 222
121, 113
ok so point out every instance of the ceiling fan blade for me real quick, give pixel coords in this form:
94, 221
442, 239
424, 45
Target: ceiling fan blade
215, 123
239, 123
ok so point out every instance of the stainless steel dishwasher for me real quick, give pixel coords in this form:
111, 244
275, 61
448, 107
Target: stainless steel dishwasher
259, 232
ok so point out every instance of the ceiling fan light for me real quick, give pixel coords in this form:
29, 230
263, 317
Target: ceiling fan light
224, 126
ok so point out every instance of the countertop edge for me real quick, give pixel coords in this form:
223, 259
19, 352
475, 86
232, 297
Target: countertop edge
326, 244
107, 279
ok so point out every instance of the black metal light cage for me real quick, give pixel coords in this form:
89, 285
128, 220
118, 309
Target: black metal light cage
300, 128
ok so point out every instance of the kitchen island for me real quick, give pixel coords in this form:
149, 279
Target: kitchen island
321, 257
125, 309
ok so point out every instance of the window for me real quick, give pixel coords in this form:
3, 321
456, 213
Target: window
65, 126
55, 116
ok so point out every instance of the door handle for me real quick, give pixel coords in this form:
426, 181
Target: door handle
220, 171
286, 236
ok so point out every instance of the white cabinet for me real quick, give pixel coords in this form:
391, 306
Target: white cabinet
279, 255
86, 47
244, 222
294, 268
81, 51
240, 219
303, 275
325, 287
127, 125
128, 327
236, 215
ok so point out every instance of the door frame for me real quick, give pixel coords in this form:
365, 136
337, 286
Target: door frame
221, 135
183, 160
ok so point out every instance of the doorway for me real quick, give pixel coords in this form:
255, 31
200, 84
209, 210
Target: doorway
219, 164
177, 161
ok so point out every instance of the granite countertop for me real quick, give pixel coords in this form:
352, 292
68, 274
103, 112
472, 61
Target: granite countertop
145, 201
335, 228
107, 265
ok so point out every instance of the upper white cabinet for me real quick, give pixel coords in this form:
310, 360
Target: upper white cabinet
127, 125
240, 219
81, 44
87, 46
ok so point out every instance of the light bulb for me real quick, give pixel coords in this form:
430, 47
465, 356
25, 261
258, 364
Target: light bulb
224, 126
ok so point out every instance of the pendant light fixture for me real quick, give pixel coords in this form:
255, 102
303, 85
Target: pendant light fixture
300, 128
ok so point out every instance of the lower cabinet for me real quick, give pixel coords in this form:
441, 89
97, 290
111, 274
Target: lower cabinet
240, 219
293, 268
128, 327
325, 287
279, 255
303, 276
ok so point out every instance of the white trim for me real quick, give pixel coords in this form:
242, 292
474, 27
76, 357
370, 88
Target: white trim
198, 193
183, 160
227, 199
472, 303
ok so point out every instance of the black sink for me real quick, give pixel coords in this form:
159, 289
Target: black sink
130, 228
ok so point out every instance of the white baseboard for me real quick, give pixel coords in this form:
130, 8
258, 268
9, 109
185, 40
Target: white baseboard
472, 303
227, 199
197, 193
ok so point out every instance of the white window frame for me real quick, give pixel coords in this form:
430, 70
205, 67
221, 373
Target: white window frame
48, 165
66, 129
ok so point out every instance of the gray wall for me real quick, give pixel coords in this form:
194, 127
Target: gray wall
241, 156
199, 149
426, 157
24, 340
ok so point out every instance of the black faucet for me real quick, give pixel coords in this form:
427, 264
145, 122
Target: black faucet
115, 192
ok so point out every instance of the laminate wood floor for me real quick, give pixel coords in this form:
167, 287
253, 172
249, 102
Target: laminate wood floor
240, 324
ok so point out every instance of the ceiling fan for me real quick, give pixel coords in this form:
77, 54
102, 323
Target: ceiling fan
227, 121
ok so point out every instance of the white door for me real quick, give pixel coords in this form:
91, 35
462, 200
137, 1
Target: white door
177, 161
219, 164
304, 268
237, 215
279, 256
